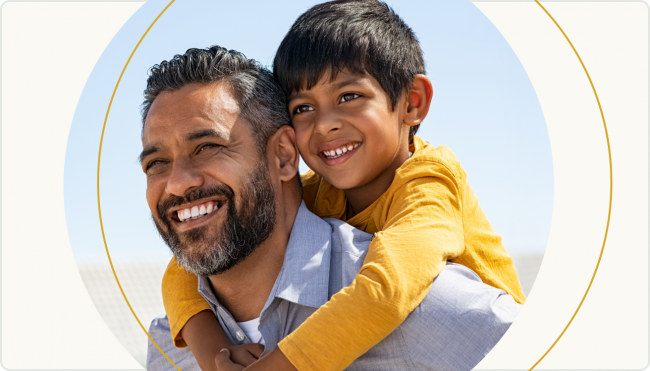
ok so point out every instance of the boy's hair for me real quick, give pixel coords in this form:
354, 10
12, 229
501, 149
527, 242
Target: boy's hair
261, 101
360, 36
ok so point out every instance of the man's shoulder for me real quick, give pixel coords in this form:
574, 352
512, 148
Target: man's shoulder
183, 358
349, 246
348, 239
456, 325
468, 317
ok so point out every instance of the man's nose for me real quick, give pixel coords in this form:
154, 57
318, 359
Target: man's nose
326, 123
184, 178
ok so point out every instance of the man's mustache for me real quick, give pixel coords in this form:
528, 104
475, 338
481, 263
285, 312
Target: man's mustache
197, 194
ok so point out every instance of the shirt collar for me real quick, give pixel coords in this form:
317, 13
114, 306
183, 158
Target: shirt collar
304, 277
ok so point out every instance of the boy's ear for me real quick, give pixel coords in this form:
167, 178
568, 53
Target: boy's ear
284, 153
418, 100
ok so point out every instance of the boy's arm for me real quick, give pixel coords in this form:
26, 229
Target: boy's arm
193, 323
423, 227
181, 299
206, 338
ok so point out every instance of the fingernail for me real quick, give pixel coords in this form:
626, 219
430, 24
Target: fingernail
224, 350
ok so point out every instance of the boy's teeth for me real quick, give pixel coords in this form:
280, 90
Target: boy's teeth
340, 151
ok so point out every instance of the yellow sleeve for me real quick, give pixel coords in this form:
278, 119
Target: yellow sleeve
181, 299
423, 227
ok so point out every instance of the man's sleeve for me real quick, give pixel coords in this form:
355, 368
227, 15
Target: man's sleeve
156, 361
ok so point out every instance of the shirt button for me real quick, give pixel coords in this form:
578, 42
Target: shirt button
240, 336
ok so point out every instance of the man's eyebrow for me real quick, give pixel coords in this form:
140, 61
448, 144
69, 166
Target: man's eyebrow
205, 133
146, 152
337, 86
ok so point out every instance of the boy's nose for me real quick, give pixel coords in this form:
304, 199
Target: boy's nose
327, 123
184, 178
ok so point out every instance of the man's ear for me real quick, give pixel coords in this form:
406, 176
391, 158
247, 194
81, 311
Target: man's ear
418, 100
283, 153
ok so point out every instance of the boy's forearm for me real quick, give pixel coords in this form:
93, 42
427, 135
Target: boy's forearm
206, 338
274, 361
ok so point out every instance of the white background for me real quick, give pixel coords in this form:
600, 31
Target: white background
609, 332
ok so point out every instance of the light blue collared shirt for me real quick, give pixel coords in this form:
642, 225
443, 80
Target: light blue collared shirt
454, 327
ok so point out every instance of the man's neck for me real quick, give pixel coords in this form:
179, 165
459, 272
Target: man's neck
244, 289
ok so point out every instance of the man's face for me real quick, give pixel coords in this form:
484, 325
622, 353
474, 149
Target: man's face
208, 186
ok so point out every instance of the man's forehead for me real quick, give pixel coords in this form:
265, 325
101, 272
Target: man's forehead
193, 107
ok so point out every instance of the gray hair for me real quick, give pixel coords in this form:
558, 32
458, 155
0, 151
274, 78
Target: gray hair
262, 102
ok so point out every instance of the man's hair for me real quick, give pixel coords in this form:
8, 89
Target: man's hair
360, 36
261, 101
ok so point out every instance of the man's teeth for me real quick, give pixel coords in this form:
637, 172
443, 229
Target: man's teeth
196, 212
340, 151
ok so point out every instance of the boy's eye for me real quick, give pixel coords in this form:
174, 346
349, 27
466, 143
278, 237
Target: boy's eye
349, 96
302, 109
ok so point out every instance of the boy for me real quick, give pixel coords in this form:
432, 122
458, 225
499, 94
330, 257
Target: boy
354, 76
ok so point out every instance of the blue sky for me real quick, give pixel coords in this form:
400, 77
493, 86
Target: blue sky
484, 108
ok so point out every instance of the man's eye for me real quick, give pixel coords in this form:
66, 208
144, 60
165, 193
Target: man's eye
349, 96
152, 164
302, 109
207, 146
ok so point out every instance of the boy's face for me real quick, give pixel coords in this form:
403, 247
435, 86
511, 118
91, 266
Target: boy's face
347, 131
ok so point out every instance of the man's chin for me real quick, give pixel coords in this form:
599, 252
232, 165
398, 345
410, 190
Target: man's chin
207, 262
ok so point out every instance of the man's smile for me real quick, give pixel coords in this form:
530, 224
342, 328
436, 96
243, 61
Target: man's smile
196, 213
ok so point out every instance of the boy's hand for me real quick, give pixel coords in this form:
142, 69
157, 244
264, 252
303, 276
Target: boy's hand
274, 361
223, 362
244, 354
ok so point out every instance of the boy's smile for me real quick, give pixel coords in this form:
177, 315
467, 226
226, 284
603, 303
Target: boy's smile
348, 132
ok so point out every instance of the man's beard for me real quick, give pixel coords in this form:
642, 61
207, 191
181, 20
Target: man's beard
243, 229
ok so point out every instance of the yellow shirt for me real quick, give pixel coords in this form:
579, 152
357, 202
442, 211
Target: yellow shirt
428, 215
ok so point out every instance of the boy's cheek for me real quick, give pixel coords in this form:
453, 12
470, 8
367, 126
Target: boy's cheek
303, 141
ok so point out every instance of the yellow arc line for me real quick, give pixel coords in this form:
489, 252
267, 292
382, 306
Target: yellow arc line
611, 185
99, 206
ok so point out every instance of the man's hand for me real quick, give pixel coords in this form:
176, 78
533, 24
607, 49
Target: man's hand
223, 362
244, 354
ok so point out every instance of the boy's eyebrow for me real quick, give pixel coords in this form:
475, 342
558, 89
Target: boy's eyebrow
344, 83
336, 86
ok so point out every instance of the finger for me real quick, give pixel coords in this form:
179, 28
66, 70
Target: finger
243, 357
222, 358
256, 350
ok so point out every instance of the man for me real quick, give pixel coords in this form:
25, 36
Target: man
221, 165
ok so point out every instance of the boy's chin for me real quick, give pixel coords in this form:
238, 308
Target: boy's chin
341, 179
350, 182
